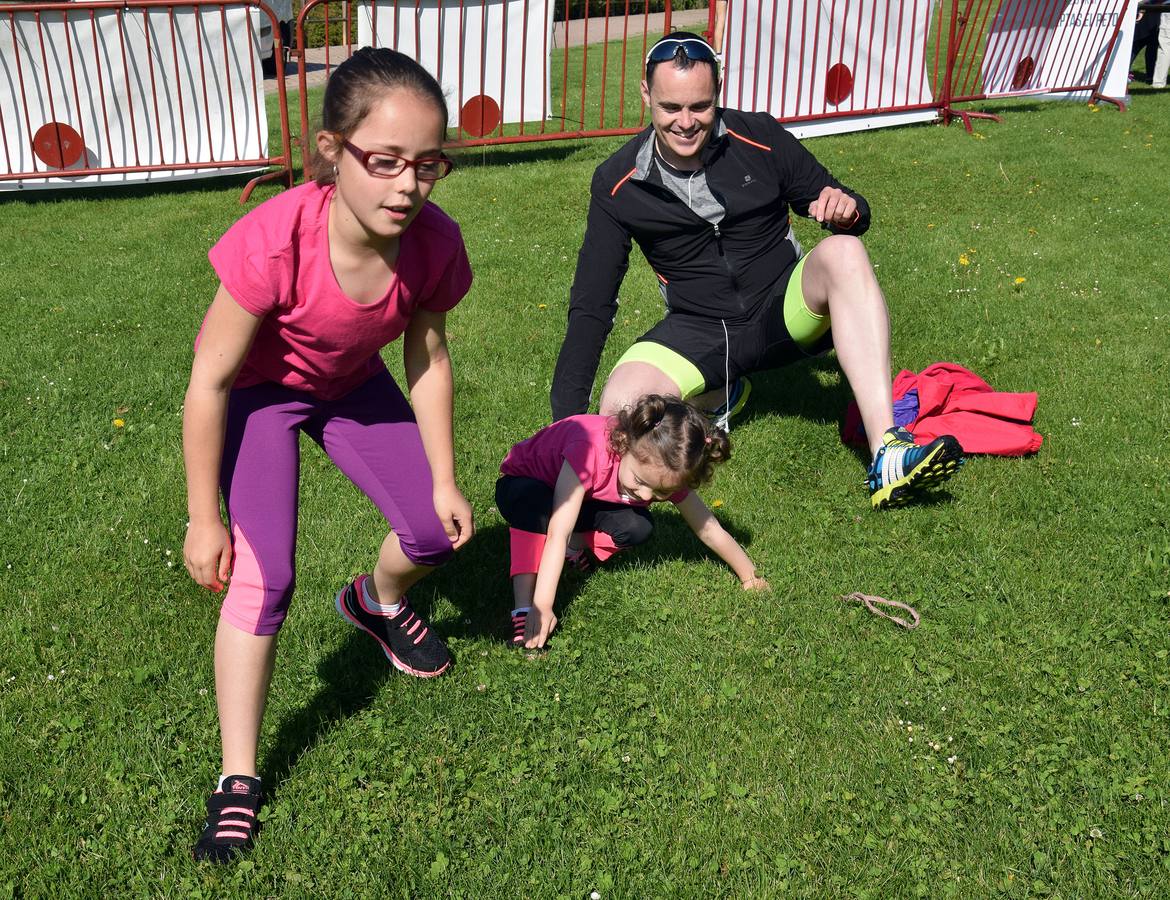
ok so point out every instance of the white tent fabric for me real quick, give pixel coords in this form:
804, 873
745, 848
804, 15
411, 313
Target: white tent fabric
829, 59
145, 95
501, 48
1034, 47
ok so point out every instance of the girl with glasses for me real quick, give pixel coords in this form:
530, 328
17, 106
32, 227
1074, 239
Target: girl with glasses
313, 284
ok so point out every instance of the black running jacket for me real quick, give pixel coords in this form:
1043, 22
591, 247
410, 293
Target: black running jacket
756, 169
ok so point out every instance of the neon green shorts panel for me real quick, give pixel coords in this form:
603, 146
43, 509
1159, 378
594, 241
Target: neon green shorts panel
698, 353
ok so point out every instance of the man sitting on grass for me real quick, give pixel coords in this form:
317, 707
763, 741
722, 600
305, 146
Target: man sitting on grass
705, 192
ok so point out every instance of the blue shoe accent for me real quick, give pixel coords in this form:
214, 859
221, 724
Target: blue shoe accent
737, 399
903, 469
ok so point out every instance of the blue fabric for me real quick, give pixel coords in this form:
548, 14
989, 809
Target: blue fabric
906, 408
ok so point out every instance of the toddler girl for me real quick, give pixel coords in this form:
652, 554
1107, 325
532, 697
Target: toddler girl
581, 486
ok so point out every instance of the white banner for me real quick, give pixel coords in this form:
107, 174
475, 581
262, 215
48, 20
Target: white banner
497, 54
829, 59
1034, 47
100, 88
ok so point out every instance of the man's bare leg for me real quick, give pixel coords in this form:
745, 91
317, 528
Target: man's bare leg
631, 380
839, 281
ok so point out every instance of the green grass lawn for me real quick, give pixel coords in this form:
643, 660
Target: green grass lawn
682, 738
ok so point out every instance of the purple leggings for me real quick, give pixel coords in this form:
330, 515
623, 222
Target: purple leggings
371, 436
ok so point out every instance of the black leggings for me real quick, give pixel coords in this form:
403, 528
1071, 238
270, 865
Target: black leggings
526, 504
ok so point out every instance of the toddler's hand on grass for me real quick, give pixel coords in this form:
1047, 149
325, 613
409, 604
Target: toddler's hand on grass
207, 554
538, 627
756, 583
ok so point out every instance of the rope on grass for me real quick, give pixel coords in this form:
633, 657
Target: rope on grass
872, 603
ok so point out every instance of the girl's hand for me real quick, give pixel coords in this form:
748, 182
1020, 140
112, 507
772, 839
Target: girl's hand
756, 583
539, 626
207, 553
455, 513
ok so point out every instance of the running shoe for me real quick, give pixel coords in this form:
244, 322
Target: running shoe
902, 469
519, 623
408, 642
737, 399
231, 822
578, 558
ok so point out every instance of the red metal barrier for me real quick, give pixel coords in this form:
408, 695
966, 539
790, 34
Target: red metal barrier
811, 60
513, 71
1016, 48
86, 100
106, 87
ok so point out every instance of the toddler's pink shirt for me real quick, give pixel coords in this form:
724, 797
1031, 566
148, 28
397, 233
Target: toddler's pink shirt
275, 263
582, 442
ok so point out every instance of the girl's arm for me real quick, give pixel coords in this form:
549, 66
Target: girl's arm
428, 376
704, 524
228, 332
568, 495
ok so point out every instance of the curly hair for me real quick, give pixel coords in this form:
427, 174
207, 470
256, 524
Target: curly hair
673, 432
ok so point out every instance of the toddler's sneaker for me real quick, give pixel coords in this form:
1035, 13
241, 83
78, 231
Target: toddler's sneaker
902, 469
408, 642
519, 623
737, 399
231, 820
578, 558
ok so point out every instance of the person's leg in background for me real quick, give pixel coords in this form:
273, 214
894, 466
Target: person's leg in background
1162, 65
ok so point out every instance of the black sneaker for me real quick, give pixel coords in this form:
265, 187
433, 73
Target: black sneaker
519, 624
231, 822
578, 558
408, 642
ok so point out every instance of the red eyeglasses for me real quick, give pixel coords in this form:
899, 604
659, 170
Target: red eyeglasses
381, 164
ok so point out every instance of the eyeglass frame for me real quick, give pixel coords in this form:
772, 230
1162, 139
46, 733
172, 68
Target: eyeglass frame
363, 157
711, 56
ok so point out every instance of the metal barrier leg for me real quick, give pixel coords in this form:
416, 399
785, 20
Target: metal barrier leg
967, 115
1101, 98
285, 175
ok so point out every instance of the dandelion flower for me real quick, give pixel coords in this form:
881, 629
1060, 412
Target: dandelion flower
118, 423
1020, 280
964, 260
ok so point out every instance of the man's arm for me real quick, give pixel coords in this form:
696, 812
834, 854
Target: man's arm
805, 181
601, 266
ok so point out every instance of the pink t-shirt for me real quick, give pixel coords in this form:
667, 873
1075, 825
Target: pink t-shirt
582, 442
275, 264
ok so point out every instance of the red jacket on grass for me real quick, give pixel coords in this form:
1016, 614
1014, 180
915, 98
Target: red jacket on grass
945, 398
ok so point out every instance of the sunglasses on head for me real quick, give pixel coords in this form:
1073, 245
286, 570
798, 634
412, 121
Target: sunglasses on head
693, 48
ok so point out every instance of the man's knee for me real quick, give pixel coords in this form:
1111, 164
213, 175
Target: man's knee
837, 268
632, 379
838, 252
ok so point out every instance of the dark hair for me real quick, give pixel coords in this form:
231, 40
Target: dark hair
680, 60
676, 433
358, 83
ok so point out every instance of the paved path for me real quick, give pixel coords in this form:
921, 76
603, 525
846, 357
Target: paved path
692, 19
